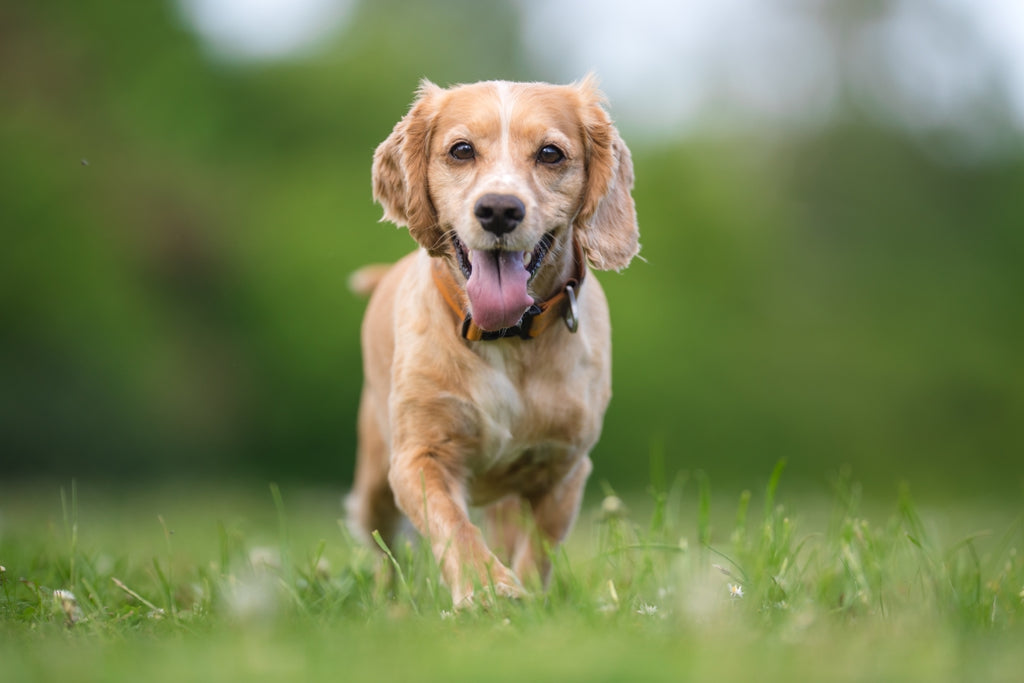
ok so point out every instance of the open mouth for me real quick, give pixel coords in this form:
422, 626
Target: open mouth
497, 281
531, 259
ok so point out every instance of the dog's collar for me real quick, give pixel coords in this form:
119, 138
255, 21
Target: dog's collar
538, 318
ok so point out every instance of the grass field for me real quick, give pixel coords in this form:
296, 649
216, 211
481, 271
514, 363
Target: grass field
182, 583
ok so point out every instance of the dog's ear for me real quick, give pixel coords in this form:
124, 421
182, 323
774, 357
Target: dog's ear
606, 225
400, 172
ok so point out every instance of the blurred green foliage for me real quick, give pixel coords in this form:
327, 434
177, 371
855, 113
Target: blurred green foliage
177, 232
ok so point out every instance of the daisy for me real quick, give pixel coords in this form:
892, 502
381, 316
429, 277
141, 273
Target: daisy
647, 610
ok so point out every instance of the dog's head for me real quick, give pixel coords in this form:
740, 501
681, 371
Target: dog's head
502, 178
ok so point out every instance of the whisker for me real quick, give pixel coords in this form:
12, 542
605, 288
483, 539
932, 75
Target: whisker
445, 236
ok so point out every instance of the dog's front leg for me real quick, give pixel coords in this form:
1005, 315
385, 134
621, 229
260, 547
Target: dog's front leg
432, 497
554, 512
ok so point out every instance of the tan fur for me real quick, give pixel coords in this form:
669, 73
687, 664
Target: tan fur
366, 279
445, 423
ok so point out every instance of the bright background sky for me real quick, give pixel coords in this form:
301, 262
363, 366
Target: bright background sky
673, 65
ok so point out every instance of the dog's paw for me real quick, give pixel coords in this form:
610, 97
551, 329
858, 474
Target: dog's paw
510, 591
500, 584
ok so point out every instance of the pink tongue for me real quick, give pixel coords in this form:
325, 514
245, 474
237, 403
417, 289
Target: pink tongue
497, 289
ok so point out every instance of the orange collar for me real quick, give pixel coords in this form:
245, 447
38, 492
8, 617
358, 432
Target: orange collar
539, 317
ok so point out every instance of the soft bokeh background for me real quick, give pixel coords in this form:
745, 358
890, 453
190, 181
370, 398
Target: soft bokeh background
831, 198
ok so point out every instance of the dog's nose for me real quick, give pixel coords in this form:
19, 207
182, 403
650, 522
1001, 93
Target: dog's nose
499, 213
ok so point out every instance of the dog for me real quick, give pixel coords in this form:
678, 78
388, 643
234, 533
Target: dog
487, 352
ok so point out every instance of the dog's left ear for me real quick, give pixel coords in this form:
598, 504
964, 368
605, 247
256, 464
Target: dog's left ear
606, 225
400, 172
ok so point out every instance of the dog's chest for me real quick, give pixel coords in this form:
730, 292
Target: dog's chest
531, 419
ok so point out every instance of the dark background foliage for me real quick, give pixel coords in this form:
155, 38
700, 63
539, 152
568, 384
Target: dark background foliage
178, 228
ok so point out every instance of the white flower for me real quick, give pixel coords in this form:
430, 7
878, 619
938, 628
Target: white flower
251, 598
62, 595
647, 610
611, 507
735, 590
262, 557
68, 604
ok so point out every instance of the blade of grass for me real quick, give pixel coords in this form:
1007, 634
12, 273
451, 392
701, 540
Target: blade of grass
398, 570
282, 530
120, 584
703, 509
773, 486
71, 527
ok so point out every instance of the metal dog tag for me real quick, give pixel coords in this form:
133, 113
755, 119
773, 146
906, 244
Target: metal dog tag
572, 313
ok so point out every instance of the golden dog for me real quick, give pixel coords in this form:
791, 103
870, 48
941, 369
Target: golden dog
487, 352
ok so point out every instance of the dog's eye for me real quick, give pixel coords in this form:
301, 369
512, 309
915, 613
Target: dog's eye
549, 154
463, 151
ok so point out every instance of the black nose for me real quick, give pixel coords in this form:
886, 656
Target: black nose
499, 213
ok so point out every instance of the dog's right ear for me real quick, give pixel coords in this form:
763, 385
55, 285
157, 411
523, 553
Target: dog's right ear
400, 172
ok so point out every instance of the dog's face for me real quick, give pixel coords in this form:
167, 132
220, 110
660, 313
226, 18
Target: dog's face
501, 178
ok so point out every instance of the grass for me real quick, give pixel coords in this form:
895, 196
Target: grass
235, 584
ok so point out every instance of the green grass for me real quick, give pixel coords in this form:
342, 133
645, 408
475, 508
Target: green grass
186, 583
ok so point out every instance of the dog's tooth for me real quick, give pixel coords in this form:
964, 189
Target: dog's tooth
469, 256
527, 257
